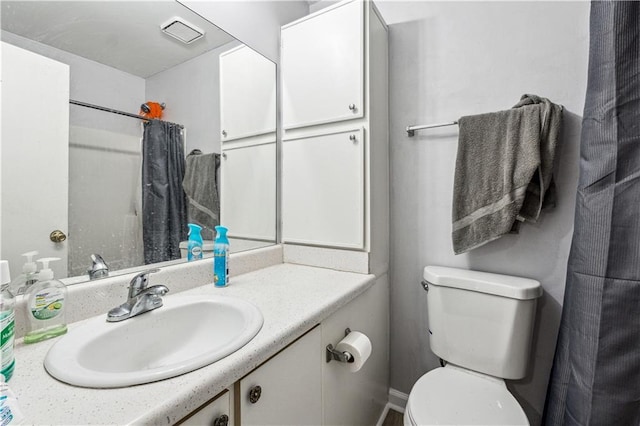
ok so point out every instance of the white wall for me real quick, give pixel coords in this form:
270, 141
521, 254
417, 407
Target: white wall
255, 23
449, 59
191, 91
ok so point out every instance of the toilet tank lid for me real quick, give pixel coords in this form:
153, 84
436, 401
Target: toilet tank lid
484, 282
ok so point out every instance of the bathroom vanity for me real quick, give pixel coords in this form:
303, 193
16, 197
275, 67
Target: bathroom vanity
304, 309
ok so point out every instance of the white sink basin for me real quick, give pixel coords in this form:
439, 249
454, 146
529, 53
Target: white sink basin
185, 334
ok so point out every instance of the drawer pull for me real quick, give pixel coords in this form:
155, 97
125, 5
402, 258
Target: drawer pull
223, 420
254, 394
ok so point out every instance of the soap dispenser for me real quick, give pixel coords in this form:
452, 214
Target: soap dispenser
46, 303
28, 277
194, 245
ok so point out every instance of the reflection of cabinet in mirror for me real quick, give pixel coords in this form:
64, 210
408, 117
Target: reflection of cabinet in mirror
247, 117
335, 114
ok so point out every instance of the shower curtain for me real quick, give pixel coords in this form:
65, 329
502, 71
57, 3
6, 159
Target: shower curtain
595, 378
164, 206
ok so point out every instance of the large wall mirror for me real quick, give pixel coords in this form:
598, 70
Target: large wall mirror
75, 159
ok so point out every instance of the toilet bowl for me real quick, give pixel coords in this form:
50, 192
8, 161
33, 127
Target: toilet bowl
481, 325
454, 396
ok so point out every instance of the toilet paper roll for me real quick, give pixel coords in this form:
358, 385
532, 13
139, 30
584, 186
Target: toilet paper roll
358, 345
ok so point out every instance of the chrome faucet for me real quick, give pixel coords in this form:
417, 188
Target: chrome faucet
99, 267
141, 298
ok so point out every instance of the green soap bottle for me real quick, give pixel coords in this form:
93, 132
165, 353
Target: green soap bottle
46, 304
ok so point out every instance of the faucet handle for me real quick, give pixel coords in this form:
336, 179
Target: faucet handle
139, 282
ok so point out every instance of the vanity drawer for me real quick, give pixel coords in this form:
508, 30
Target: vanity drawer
216, 412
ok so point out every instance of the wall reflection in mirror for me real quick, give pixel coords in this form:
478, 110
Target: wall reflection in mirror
115, 185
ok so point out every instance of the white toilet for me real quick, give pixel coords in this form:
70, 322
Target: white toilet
481, 325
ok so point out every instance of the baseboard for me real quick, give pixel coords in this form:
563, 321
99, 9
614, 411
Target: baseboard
383, 416
397, 400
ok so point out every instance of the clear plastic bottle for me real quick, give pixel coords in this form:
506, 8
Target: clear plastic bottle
46, 306
221, 258
7, 323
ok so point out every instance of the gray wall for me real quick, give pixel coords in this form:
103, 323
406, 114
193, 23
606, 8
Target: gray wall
449, 59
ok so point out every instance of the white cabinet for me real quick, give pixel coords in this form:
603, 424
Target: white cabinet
297, 386
358, 398
323, 185
286, 390
217, 412
334, 76
248, 191
247, 94
323, 67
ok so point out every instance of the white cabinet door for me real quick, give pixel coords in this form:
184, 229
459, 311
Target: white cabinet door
35, 118
247, 94
286, 390
323, 190
214, 413
323, 67
248, 191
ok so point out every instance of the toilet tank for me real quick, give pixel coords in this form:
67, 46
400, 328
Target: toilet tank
481, 321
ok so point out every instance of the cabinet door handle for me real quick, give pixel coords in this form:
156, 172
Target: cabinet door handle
352, 107
353, 138
223, 420
254, 394
224, 133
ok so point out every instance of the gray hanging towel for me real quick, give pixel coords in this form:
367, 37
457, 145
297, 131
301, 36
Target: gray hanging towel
504, 170
201, 186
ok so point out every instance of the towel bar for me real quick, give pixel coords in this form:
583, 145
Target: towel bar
411, 129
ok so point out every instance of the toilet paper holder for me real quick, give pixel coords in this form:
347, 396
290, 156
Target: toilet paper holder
333, 354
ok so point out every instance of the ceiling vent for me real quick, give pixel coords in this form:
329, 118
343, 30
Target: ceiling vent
182, 30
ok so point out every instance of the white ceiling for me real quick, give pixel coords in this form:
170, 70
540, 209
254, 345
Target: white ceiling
122, 34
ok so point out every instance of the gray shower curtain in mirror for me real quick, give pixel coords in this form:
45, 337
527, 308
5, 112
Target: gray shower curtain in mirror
164, 206
595, 378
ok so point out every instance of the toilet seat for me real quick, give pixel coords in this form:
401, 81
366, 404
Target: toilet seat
455, 396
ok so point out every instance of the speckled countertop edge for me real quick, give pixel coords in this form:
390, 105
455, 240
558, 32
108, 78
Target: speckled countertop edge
292, 298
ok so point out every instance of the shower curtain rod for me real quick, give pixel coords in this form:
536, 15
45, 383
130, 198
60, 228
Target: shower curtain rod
115, 111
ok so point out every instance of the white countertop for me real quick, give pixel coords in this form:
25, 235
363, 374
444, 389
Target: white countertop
292, 299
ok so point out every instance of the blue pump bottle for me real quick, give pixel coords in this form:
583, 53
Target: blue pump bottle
194, 245
221, 258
